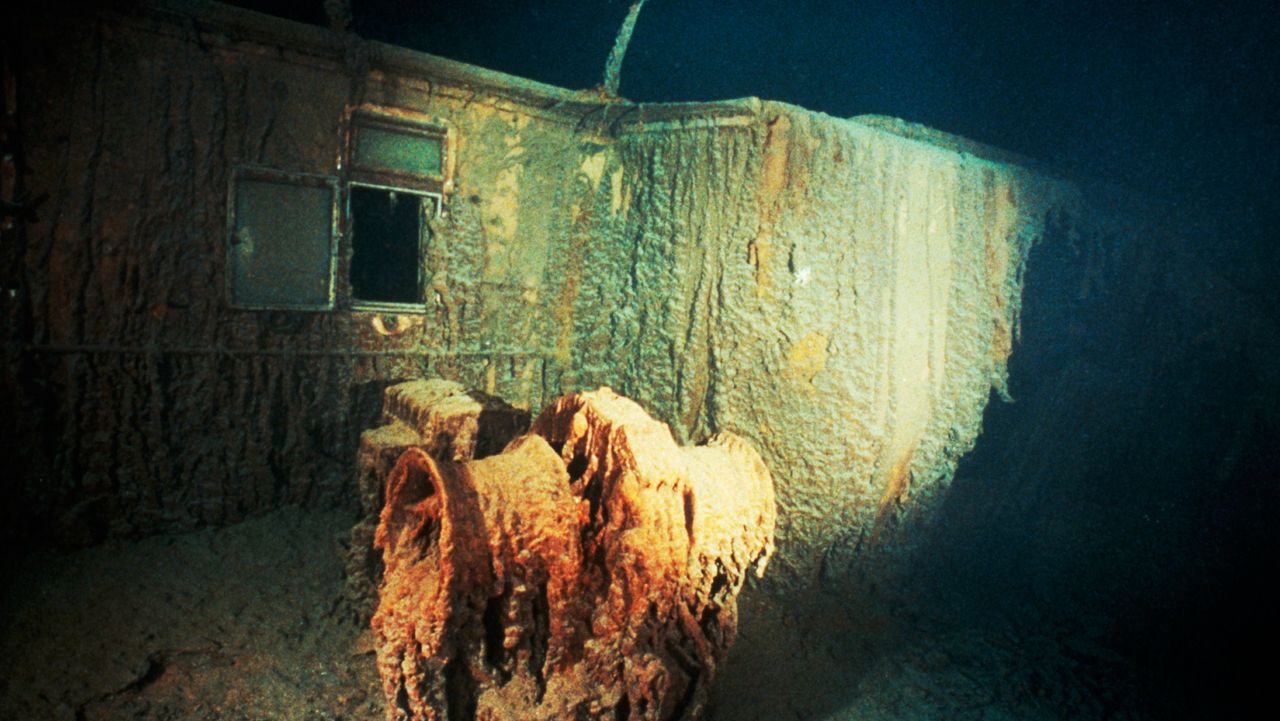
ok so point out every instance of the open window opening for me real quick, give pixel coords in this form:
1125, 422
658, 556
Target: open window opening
395, 187
388, 229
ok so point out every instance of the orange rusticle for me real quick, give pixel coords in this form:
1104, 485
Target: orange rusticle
590, 570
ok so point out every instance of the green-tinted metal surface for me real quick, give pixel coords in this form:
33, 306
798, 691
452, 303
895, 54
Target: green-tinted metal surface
380, 149
281, 245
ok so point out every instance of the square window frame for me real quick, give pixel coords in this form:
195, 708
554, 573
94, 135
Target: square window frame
361, 120
382, 306
436, 185
397, 121
241, 173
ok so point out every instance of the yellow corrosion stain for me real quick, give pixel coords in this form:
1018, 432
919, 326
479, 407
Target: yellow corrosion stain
615, 191
808, 357
476, 112
563, 353
916, 323
895, 492
491, 378
525, 399
774, 178
502, 204
593, 167
918, 312
1002, 213
766, 430
760, 255
564, 339
515, 147
572, 267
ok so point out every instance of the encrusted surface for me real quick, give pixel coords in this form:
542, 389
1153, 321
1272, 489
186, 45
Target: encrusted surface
445, 421
595, 581
842, 295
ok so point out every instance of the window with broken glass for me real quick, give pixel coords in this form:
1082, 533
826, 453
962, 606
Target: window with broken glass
282, 227
393, 191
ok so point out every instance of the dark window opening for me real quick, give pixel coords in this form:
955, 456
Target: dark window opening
386, 238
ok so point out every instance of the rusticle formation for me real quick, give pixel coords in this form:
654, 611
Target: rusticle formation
443, 419
589, 571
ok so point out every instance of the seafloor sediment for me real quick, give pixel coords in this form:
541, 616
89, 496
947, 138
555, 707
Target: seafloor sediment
244, 623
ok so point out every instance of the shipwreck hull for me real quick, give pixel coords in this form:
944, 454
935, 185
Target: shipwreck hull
843, 293
843, 296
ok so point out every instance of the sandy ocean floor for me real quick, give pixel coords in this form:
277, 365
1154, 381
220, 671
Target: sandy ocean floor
246, 623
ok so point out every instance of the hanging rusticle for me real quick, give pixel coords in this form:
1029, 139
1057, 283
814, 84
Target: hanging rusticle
589, 571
